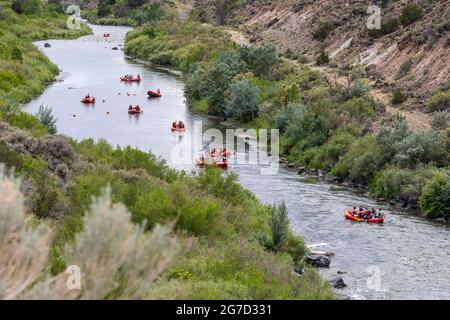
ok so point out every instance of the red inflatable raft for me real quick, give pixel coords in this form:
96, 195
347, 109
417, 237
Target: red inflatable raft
178, 129
135, 111
130, 79
349, 216
154, 94
219, 164
106, 35
88, 100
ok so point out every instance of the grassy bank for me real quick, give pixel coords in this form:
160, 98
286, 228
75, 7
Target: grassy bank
99, 208
331, 124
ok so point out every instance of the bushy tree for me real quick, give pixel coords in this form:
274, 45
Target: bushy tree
292, 113
27, 6
243, 101
323, 30
279, 225
46, 117
151, 14
435, 198
387, 138
261, 60
16, 54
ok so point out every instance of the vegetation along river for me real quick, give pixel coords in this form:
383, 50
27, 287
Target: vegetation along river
407, 258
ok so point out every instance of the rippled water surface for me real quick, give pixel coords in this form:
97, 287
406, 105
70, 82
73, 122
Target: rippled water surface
412, 255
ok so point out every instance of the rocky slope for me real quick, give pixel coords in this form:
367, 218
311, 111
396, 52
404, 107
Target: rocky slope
410, 55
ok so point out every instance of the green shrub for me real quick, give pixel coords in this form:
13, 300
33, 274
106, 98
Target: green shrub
27, 6
401, 184
398, 98
243, 101
9, 157
322, 59
16, 54
47, 119
292, 113
404, 68
439, 101
310, 131
154, 206
323, 30
435, 198
410, 14
361, 162
279, 225
440, 120
328, 154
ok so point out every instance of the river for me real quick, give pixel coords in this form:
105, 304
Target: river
407, 258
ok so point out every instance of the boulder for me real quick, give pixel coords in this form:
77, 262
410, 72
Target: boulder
291, 165
301, 170
338, 283
47, 45
318, 261
115, 48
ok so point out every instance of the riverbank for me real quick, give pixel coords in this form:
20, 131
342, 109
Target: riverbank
217, 232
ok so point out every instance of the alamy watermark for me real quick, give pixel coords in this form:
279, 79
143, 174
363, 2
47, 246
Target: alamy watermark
73, 22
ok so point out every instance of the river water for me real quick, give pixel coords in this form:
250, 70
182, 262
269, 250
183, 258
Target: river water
407, 258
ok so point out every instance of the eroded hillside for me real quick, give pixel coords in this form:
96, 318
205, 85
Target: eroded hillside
409, 53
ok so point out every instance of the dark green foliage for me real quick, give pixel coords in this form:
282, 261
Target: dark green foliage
410, 14
322, 59
243, 101
260, 60
398, 97
361, 162
405, 67
218, 86
104, 8
151, 14
9, 157
279, 225
199, 14
408, 148
47, 118
27, 6
291, 114
134, 3
16, 54
435, 198
440, 120
323, 30
45, 198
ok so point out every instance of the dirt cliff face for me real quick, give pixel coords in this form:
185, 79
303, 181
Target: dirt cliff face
406, 54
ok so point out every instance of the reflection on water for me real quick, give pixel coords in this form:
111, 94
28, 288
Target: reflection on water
411, 254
